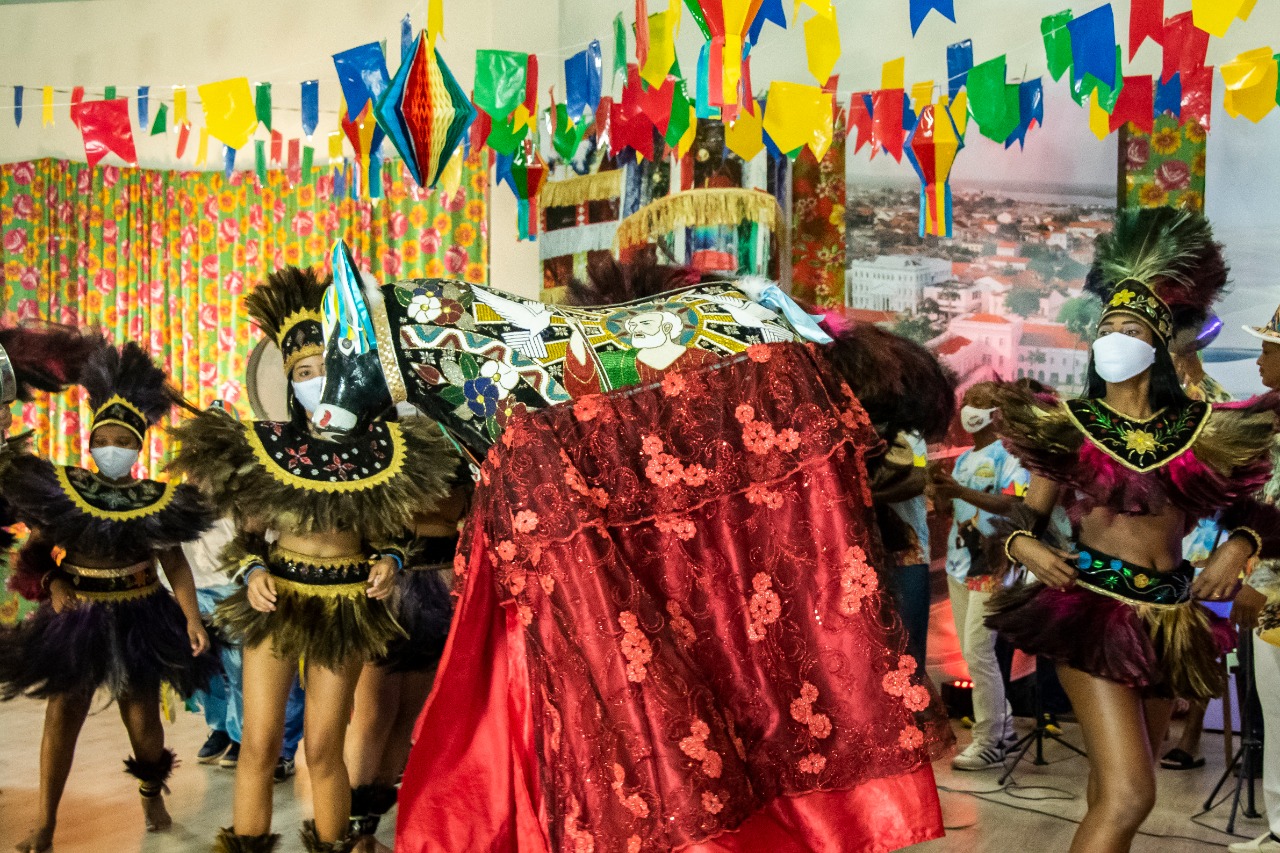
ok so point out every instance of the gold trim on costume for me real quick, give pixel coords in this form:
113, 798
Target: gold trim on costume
387, 351
122, 595
1131, 602
113, 400
1126, 463
122, 572
288, 478
278, 552
161, 503
319, 590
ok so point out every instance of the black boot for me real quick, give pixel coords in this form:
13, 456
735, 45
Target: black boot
312, 844
228, 842
368, 804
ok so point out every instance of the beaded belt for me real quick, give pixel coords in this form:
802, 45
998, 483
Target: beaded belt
432, 553
132, 581
1127, 582
318, 571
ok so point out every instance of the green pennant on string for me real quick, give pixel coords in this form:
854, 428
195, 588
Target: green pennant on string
262, 104
994, 104
109, 93
161, 124
619, 47
680, 104
568, 135
1057, 42
504, 139
699, 17
260, 160
501, 77
1108, 96
308, 154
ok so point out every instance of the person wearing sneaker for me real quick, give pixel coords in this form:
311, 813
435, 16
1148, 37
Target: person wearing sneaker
1135, 463
985, 482
1257, 606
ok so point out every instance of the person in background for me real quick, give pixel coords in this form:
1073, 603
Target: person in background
905, 498
987, 481
223, 700
1258, 605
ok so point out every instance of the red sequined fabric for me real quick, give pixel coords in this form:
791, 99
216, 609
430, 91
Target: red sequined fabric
671, 635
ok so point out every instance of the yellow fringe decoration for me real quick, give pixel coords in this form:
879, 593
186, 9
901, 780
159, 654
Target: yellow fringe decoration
170, 702
601, 186
122, 572
122, 595
693, 208
315, 590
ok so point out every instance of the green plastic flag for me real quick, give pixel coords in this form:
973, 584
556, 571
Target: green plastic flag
161, 124
695, 9
262, 104
308, 154
260, 160
501, 77
680, 117
619, 47
1108, 96
568, 135
1057, 42
994, 104
109, 93
505, 139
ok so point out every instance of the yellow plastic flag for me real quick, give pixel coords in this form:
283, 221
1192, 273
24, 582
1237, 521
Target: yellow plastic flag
744, 137
1099, 119
800, 115
662, 45
921, 95
822, 41
686, 142
451, 177
735, 22
894, 74
180, 106
46, 111
959, 110
435, 21
335, 147
1250, 81
1216, 16
202, 153
229, 111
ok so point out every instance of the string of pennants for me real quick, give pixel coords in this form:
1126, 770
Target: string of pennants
428, 118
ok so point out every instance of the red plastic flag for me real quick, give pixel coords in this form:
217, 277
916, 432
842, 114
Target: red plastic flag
1135, 104
105, 127
1185, 47
1146, 21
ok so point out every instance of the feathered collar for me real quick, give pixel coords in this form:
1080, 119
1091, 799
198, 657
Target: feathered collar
1139, 444
297, 458
113, 501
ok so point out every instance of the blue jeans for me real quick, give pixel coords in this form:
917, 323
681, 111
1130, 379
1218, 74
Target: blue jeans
913, 595
223, 700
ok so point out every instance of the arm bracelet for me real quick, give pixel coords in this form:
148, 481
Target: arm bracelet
1252, 535
1008, 543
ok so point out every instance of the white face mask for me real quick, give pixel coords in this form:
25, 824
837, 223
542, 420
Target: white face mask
974, 419
309, 392
1118, 357
114, 462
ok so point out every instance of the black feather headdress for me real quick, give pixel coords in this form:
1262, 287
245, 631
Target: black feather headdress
43, 357
287, 309
125, 387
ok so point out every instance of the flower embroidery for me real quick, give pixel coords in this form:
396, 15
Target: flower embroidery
525, 614
633, 803
820, 726
744, 414
765, 607
673, 384
459, 565
695, 475
758, 436
896, 682
600, 498
711, 803
547, 583
580, 838
1140, 441
812, 763
587, 408
802, 712
664, 471
858, 581
635, 647
1141, 581
651, 445
759, 353
515, 583
695, 746
916, 697
911, 738
788, 440
757, 495
1123, 297
633, 844
506, 550
682, 528
681, 626
526, 521
298, 457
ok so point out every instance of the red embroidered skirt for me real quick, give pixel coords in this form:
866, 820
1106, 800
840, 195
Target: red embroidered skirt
670, 634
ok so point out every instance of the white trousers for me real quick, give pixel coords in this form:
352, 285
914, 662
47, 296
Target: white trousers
992, 716
1266, 673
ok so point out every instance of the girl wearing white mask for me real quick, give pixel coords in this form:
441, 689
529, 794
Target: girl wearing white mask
1135, 463
105, 622
317, 594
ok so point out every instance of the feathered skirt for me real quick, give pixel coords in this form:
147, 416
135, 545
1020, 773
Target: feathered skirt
323, 612
126, 634
423, 607
1130, 625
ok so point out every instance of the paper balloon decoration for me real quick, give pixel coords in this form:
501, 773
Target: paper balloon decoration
425, 113
524, 172
726, 25
932, 148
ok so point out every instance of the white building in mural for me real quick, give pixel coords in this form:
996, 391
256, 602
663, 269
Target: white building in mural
984, 345
893, 282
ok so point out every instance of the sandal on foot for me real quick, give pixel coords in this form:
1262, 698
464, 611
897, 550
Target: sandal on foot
1180, 759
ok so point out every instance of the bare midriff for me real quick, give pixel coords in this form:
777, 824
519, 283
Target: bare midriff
325, 545
1151, 541
75, 559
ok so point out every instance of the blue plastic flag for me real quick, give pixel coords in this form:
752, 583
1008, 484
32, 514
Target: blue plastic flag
406, 38
228, 161
1093, 45
921, 8
582, 81
362, 71
144, 105
310, 106
1030, 108
17, 106
1169, 97
959, 61
770, 10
